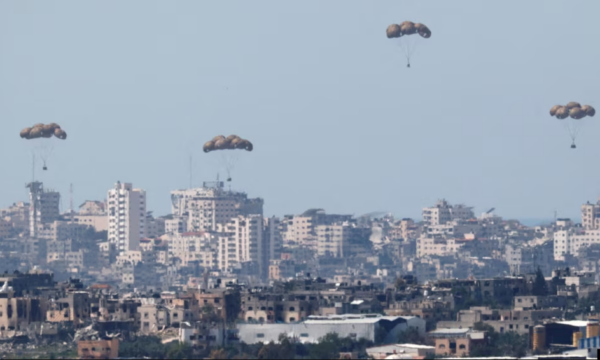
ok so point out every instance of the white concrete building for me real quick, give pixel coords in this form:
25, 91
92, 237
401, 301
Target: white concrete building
442, 212
212, 204
177, 225
438, 245
44, 206
242, 240
590, 216
93, 207
17, 215
273, 241
333, 240
190, 247
569, 241
61, 230
353, 326
126, 216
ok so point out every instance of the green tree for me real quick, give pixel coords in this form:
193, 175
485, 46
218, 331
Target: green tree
327, 348
218, 354
233, 305
179, 351
540, 287
400, 284
506, 344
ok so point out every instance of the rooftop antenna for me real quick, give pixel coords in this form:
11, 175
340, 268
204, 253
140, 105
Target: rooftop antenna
555, 215
71, 201
191, 174
32, 167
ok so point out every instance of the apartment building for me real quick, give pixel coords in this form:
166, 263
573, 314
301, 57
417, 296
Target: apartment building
212, 204
126, 216
437, 245
92, 213
590, 216
176, 225
44, 206
6, 228
17, 215
273, 240
61, 230
568, 242
300, 230
337, 240
193, 247
442, 212
242, 240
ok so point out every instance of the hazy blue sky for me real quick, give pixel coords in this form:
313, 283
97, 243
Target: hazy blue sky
337, 119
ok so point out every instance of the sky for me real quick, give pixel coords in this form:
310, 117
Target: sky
337, 120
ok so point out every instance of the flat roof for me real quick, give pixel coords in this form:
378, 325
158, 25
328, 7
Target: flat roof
576, 323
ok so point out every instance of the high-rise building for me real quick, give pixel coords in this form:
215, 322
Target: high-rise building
212, 204
272, 242
44, 206
242, 240
442, 212
126, 216
590, 216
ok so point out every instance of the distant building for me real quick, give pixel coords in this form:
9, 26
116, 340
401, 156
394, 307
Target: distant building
590, 216
311, 330
455, 342
92, 213
193, 248
126, 216
44, 206
442, 212
98, 349
568, 242
242, 240
17, 215
206, 207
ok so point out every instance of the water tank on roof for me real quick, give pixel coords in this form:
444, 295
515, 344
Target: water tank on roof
539, 337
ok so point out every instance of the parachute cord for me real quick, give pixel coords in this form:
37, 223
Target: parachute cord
567, 126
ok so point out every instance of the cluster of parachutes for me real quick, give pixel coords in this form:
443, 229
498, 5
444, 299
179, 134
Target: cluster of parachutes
574, 110
43, 131
231, 142
407, 28
407, 43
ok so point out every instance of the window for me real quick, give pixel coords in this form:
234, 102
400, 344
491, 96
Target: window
304, 335
260, 335
462, 346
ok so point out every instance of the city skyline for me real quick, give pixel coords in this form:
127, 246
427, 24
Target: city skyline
135, 99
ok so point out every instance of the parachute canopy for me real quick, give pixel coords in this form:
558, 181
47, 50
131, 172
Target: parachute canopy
574, 110
43, 131
407, 28
231, 142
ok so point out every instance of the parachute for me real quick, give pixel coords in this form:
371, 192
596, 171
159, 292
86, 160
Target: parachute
41, 134
571, 115
231, 142
403, 31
